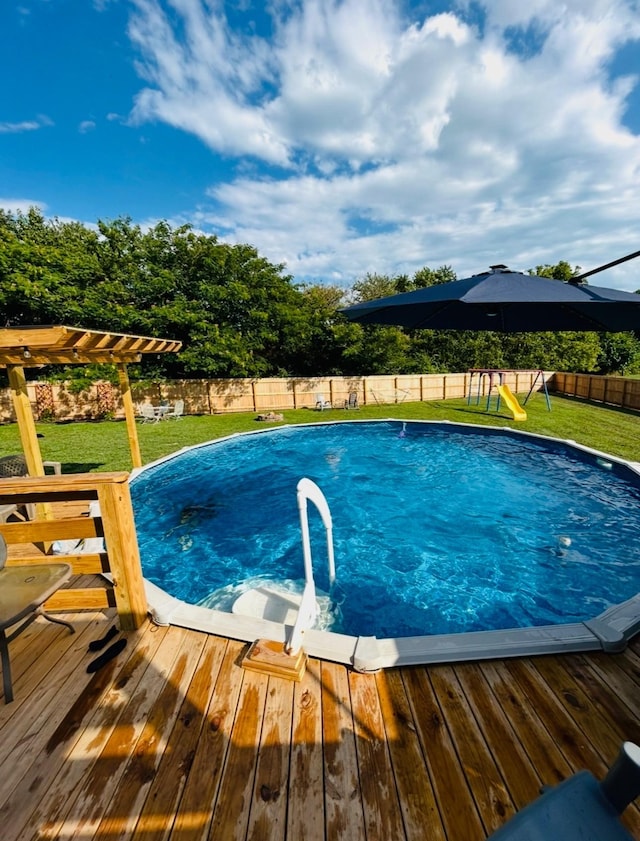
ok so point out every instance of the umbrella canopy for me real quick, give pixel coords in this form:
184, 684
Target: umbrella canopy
505, 301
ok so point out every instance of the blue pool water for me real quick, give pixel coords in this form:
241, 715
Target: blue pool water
437, 528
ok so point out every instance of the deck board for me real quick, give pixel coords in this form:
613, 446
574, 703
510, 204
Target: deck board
381, 808
153, 744
80, 768
156, 817
510, 755
201, 789
268, 812
91, 799
459, 814
306, 785
344, 816
233, 805
174, 741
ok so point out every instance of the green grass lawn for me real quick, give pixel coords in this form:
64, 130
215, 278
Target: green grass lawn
103, 446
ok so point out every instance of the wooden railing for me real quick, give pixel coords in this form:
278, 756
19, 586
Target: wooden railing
115, 524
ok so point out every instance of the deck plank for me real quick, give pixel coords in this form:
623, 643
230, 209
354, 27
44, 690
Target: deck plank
420, 813
575, 688
174, 741
37, 716
231, 815
78, 743
25, 656
383, 818
305, 816
144, 762
343, 799
159, 810
509, 754
478, 763
268, 816
37, 652
549, 764
91, 801
200, 793
560, 724
460, 814
616, 687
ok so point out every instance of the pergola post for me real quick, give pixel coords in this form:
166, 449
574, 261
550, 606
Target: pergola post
26, 422
129, 414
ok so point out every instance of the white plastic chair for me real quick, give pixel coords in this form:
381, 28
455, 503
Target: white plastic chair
321, 403
177, 411
147, 414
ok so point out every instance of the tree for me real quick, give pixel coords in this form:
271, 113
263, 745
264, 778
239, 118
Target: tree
619, 353
373, 286
42, 266
233, 310
428, 277
559, 271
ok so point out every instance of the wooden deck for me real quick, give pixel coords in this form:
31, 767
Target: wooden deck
174, 740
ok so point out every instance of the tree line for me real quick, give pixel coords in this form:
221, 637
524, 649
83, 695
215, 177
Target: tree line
238, 315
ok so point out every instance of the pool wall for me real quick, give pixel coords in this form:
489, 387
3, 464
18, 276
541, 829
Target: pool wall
610, 631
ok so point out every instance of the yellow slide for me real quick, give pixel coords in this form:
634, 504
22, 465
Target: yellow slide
511, 400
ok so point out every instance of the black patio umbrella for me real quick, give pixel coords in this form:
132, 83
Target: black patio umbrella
508, 302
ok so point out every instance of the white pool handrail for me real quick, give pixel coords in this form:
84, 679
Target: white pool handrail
308, 490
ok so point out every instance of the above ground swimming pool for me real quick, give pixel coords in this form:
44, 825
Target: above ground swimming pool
439, 529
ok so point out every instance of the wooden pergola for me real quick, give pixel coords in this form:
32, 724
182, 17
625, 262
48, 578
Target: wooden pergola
31, 347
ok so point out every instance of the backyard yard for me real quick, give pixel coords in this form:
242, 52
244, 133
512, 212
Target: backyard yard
103, 445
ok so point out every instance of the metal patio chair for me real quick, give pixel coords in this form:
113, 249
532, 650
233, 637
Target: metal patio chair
23, 591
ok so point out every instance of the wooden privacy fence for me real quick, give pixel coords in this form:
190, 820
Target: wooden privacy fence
615, 391
115, 524
207, 397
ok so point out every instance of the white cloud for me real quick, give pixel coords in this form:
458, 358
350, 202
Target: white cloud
86, 126
41, 121
401, 144
18, 128
20, 205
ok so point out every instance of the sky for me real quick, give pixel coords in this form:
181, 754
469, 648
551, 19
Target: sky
338, 137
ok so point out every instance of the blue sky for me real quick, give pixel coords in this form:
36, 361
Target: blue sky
339, 138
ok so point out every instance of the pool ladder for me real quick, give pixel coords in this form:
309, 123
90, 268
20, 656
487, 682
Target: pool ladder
308, 610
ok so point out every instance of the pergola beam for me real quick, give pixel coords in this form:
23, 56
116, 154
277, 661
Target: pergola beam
33, 344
